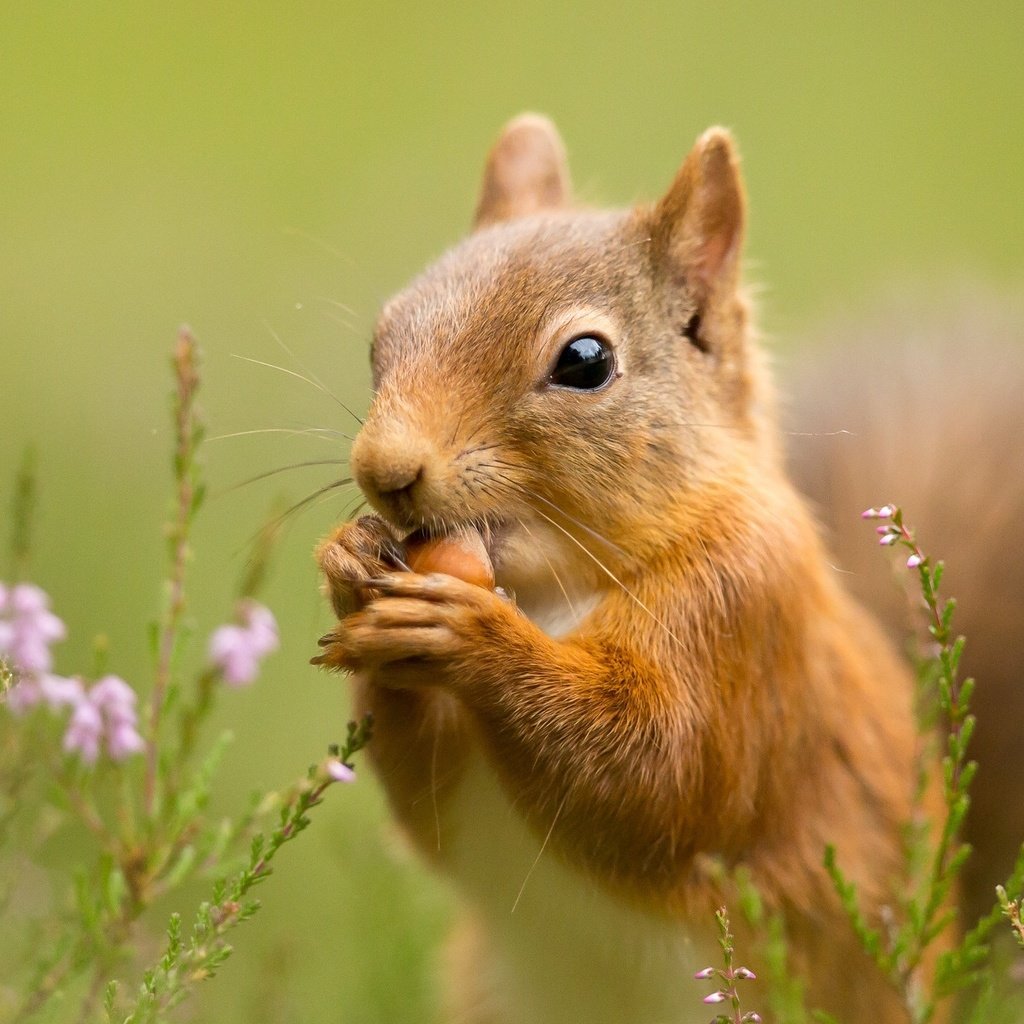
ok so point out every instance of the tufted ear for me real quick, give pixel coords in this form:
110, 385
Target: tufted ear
697, 227
526, 172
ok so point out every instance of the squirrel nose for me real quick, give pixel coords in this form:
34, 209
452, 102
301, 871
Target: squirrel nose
397, 480
388, 469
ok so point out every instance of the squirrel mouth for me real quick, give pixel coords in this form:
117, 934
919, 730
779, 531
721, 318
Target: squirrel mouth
492, 531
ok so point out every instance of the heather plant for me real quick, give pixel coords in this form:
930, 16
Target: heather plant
726, 978
935, 853
127, 789
969, 970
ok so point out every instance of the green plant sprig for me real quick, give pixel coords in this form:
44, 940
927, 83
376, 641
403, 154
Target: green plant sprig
185, 963
934, 861
726, 978
190, 492
1011, 910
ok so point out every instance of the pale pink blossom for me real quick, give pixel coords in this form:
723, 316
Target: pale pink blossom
237, 650
84, 732
105, 714
885, 512
23, 696
113, 695
123, 740
28, 629
262, 628
340, 772
60, 692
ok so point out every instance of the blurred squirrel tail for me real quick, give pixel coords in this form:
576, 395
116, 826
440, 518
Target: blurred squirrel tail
922, 405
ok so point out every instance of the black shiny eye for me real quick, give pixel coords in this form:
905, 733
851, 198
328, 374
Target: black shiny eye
585, 364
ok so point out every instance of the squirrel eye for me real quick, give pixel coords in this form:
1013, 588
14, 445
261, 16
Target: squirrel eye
585, 364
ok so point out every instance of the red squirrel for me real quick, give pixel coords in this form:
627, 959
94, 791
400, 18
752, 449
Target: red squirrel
669, 675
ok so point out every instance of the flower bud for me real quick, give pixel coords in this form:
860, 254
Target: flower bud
340, 772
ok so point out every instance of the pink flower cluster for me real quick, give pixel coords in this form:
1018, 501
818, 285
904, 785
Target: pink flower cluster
236, 650
895, 533
106, 712
28, 628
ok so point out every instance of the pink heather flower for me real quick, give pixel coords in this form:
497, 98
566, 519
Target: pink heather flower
236, 650
232, 652
885, 512
704, 974
23, 696
105, 713
745, 974
340, 772
56, 691
115, 700
914, 561
889, 538
113, 695
716, 997
262, 628
59, 692
123, 740
84, 731
28, 628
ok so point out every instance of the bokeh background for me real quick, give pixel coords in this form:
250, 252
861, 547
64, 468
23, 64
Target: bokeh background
269, 171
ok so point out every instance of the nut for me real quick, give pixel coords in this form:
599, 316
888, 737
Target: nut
461, 555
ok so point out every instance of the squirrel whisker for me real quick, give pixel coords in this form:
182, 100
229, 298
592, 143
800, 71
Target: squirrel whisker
283, 469
615, 579
320, 433
554, 571
320, 492
576, 522
540, 853
299, 376
309, 373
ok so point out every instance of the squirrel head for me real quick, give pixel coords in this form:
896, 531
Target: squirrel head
564, 370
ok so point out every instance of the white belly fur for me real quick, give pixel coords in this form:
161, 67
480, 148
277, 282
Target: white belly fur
565, 951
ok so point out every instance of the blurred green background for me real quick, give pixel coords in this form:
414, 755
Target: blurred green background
263, 170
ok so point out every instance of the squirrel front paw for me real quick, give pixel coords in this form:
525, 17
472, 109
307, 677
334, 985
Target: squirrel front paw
422, 627
354, 553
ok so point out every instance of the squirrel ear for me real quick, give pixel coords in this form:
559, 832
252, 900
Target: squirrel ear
526, 172
698, 225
